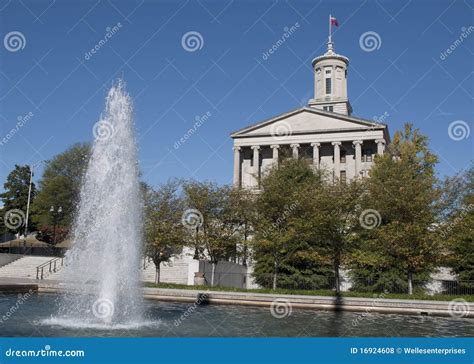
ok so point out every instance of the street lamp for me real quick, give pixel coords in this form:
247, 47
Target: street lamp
55, 215
29, 195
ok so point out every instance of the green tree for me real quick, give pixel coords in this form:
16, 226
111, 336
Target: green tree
282, 241
164, 231
15, 199
60, 186
401, 198
210, 221
243, 212
333, 212
458, 231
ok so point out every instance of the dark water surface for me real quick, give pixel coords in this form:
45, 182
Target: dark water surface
36, 316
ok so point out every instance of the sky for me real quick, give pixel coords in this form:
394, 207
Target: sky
185, 61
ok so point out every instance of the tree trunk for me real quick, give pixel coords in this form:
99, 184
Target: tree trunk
157, 273
234, 257
275, 273
196, 244
338, 279
213, 272
244, 258
410, 283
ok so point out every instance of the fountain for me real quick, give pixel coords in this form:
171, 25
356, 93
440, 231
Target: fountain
102, 274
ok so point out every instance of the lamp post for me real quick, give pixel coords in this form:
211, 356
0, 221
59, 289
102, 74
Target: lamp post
32, 168
55, 215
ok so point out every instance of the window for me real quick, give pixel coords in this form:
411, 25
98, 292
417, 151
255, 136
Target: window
328, 86
368, 155
328, 108
328, 71
343, 176
343, 157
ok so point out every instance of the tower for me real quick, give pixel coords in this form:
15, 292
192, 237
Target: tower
330, 82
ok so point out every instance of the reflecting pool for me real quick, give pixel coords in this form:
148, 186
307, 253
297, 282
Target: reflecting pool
36, 316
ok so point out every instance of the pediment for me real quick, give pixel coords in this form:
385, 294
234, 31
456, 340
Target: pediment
307, 121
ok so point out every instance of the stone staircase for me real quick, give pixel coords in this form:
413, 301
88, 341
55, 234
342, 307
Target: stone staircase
25, 267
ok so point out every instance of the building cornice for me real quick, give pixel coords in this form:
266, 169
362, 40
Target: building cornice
357, 120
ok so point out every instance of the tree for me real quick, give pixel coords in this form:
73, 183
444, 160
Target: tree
401, 197
282, 241
210, 221
164, 231
15, 198
60, 186
243, 212
458, 231
333, 209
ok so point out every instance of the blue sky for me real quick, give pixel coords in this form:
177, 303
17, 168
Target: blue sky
50, 77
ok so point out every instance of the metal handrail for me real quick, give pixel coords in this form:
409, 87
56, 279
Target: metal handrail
52, 265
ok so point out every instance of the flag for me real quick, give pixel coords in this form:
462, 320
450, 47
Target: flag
334, 21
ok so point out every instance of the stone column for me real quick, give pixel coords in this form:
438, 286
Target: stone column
275, 154
256, 165
358, 157
316, 154
295, 147
337, 159
237, 166
380, 146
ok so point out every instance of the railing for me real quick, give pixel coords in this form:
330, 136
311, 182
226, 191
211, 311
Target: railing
346, 284
52, 266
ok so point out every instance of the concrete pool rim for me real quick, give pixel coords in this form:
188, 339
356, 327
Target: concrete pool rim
325, 303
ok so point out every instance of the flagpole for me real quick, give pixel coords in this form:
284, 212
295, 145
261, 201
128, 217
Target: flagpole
330, 28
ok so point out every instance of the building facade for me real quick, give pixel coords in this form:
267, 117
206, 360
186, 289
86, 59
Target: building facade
324, 133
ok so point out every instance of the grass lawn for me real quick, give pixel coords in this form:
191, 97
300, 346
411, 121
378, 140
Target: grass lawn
321, 292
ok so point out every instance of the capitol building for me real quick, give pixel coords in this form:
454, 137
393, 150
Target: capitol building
324, 133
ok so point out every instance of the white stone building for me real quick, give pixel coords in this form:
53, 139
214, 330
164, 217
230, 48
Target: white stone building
324, 133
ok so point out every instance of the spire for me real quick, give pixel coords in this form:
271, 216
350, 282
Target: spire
330, 79
330, 50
